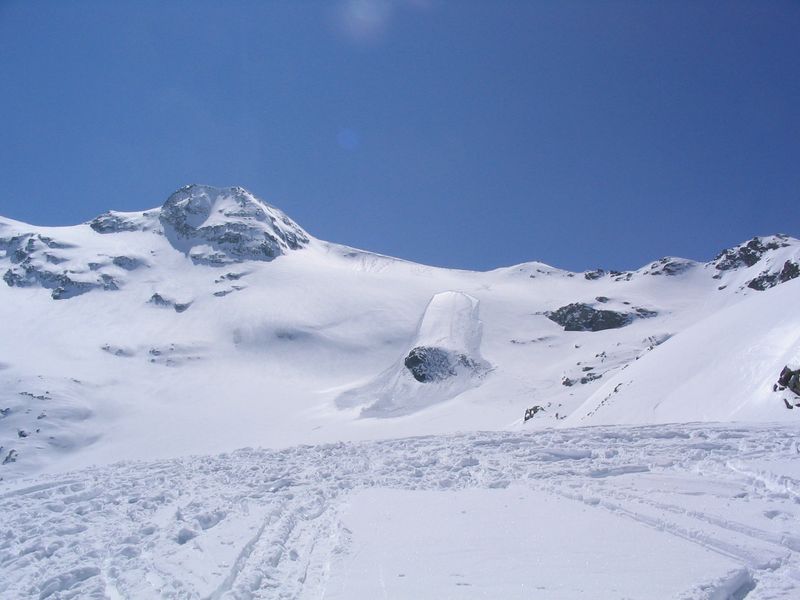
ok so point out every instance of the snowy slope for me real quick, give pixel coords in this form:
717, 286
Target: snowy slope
719, 369
215, 322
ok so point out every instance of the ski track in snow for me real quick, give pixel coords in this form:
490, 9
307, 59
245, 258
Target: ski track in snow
263, 523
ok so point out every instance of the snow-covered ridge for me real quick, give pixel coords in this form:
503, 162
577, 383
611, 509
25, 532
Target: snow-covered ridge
211, 226
222, 226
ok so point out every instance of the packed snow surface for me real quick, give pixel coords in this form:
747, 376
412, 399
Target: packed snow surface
679, 511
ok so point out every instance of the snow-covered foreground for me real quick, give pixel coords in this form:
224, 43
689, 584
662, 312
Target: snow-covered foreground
669, 511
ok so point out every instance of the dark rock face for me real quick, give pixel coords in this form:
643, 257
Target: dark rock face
10, 457
62, 285
766, 280
588, 378
593, 275
68, 288
600, 273
21, 248
531, 412
127, 262
159, 300
791, 270
162, 302
28, 275
428, 364
112, 222
230, 277
670, 266
230, 290
583, 317
749, 253
232, 222
28, 272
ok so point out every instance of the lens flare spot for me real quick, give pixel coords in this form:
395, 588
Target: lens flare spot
347, 139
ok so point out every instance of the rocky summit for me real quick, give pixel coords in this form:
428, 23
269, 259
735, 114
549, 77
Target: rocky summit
218, 226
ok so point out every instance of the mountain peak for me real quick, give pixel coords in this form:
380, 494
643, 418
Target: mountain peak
204, 205
765, 261
222, 225
750, 252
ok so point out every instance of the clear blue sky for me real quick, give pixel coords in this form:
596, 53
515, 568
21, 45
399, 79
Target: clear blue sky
460, 133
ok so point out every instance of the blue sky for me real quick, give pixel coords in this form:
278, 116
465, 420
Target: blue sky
457, 133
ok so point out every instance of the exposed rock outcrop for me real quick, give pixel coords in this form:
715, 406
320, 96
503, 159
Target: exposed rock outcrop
34, 264
670, 266
429, 364
219, 226
579, 316
162, 302
749, 253
116, 222
776, 257
767, 279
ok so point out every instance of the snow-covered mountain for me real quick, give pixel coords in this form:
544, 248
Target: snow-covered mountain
216, 322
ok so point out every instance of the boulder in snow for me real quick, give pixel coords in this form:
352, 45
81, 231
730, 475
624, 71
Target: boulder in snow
579, 316
443, 361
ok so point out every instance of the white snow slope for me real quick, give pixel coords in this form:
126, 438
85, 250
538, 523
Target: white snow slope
215, 323
719, 369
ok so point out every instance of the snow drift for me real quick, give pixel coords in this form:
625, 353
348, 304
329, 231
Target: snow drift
443, 361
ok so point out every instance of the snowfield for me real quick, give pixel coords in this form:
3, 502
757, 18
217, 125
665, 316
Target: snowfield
141, 351
673, 511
